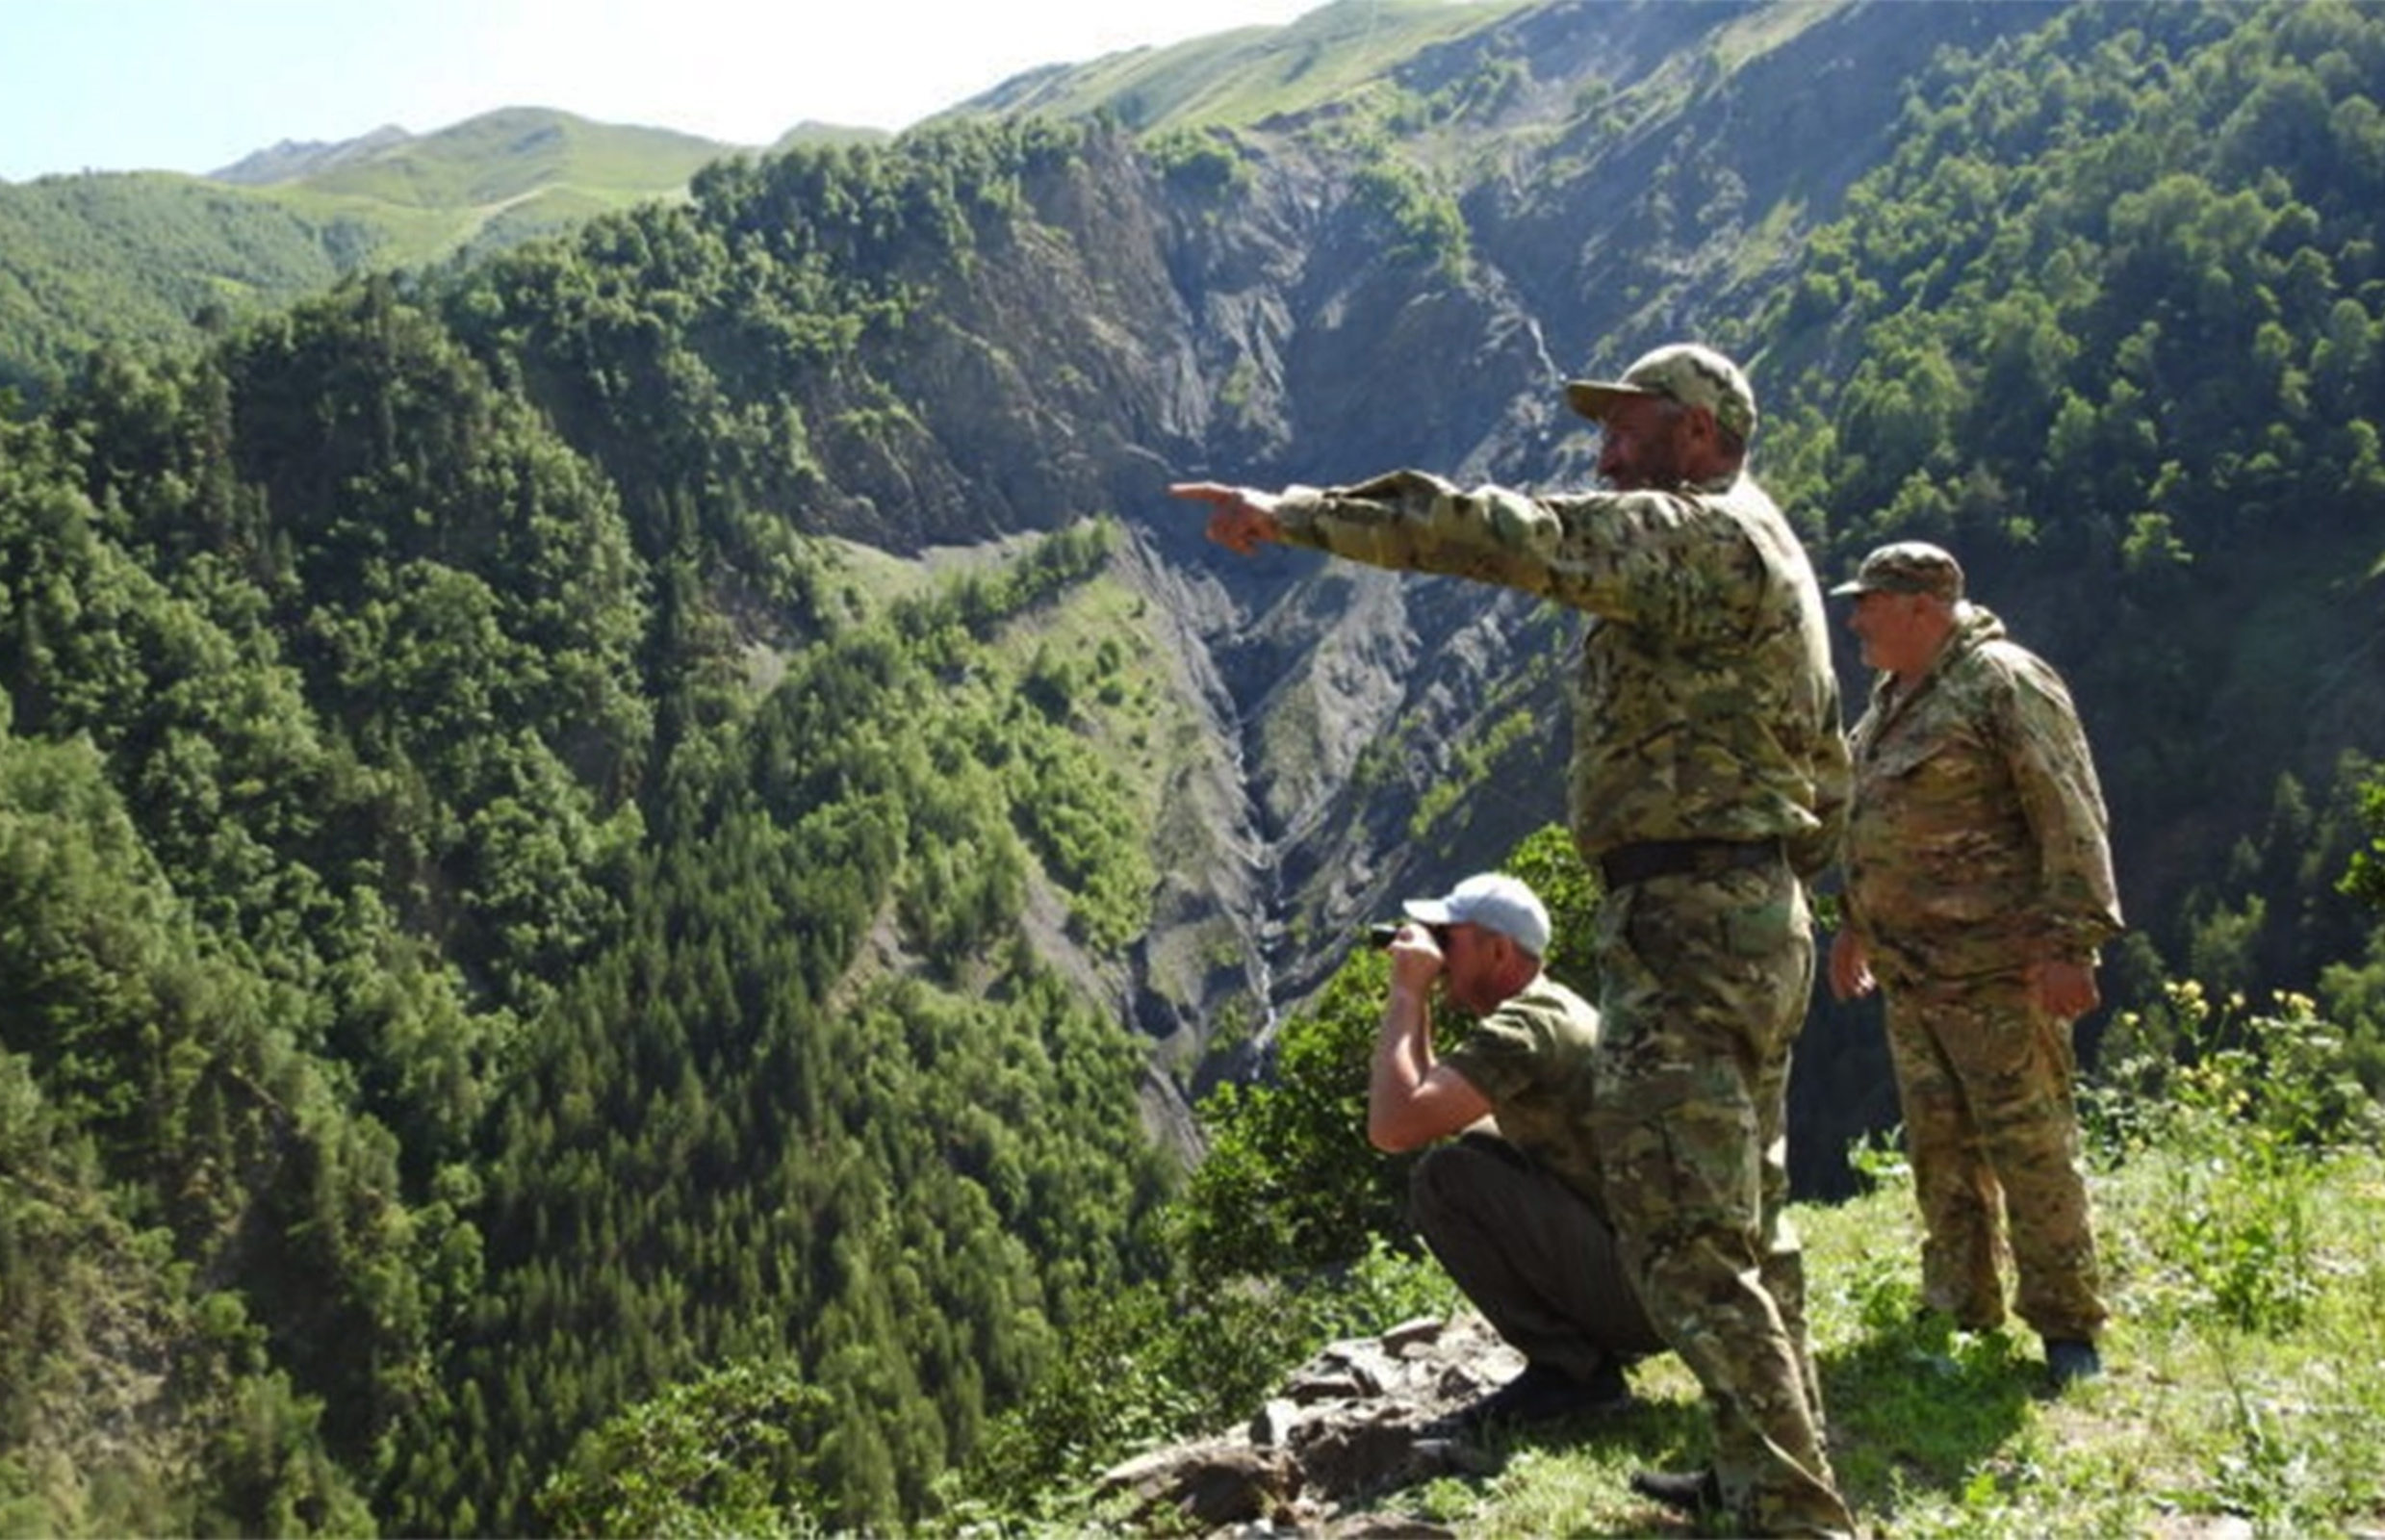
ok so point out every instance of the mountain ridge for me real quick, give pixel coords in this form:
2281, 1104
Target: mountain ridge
291, 159
156, 258
676, 801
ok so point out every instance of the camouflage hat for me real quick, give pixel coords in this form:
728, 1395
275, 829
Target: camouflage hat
1687, 372
1907, 567
1494, 901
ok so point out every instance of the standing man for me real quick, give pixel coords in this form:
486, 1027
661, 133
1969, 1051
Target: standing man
1512, 1211
1709, 783
1979, 886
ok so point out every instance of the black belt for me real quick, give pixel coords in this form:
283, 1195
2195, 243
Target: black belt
1626, 865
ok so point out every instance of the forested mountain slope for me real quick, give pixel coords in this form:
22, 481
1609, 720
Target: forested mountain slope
675, 800
145, 260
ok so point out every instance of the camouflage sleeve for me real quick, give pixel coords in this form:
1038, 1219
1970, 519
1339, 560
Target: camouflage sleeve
1634, 556
1414, 522
1833, 793
1850, 897
2055, 776
1498, 1057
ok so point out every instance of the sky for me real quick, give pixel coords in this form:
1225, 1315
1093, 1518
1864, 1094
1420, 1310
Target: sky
195, 85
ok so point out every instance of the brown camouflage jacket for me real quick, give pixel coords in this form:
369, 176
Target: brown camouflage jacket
1703, 705
1977, 842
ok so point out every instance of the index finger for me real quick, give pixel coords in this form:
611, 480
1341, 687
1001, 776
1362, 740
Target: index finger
1216, 492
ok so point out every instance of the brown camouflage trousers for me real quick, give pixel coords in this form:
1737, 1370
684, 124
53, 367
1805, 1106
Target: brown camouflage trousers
1705, 985
1985, 1079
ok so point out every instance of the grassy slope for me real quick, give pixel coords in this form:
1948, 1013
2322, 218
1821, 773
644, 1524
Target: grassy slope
530, 166
1140, 706
1248, 75
2246, 1363
130, 259
499, 156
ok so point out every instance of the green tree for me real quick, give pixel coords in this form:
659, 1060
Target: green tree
719, 1455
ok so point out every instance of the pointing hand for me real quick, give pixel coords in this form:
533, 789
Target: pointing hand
1240, 517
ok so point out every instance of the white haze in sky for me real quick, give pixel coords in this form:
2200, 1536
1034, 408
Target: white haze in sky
195, 85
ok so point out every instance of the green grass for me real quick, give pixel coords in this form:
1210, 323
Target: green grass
1943, 1433
499, 178
504, 155
2243, 1246
1248, 76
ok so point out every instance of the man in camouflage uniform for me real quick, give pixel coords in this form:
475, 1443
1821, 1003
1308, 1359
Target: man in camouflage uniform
1979, 886
1709, 779
1512, 1205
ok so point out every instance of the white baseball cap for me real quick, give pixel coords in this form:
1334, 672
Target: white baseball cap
1494, 901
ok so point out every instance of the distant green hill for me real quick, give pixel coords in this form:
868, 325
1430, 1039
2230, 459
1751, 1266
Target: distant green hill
505, 158
146, 260
1251, 75
136, 261
140, 260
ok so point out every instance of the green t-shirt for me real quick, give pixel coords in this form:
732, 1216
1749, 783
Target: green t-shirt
1535, 1060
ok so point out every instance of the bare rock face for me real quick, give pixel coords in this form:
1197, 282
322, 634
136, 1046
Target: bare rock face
1352, 1425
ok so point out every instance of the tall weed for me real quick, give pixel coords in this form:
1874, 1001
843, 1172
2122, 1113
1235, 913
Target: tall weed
2245, 1105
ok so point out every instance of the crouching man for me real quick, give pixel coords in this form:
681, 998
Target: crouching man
1509, 1202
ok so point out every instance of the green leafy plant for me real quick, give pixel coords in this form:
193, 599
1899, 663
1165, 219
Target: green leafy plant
2249, 1097
718, 1455
2365, 878
1162, 1361
1290, 1184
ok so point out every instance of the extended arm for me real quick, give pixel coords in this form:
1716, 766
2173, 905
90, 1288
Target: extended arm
1407, 521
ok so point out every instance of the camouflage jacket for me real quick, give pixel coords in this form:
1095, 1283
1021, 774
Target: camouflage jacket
1977, 842
1535, 1060
1703, 705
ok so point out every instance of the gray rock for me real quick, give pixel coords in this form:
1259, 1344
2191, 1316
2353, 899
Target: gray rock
1353, 1424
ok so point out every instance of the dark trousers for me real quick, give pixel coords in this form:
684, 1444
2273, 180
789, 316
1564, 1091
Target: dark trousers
1534, 1256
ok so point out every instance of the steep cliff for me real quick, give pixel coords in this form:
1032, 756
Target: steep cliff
1399, 277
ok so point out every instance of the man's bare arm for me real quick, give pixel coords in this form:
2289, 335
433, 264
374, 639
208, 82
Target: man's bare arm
1412, 1099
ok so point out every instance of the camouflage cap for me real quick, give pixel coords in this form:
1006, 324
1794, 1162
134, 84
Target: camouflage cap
1907, 567
1688, 372
1494, 901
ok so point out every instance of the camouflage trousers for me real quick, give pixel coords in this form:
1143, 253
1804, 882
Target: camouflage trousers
1535, 1257
1984, 1076
1704, 989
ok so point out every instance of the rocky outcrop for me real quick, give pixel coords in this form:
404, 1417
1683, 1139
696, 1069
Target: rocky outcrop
1354, 1424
